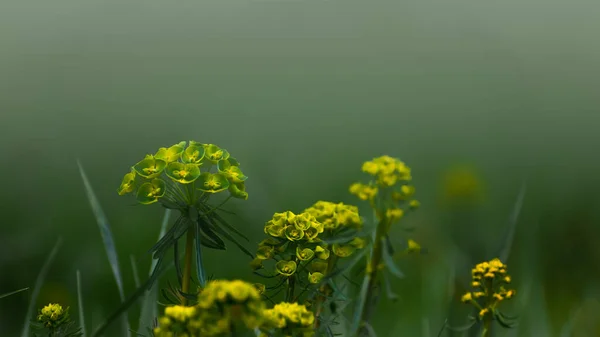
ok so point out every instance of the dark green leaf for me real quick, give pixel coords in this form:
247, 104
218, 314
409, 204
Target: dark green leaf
389, 260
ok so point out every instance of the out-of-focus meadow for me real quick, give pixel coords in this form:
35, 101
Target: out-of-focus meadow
475, 96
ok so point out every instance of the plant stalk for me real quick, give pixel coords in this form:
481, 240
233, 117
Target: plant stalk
321, 297
372, 273
187, 266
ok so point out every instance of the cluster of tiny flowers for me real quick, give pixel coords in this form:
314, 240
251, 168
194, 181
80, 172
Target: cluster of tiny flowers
221, 305
184, 164
178, 321
292, 318
388, 174
296, 239
489, 282
53, 315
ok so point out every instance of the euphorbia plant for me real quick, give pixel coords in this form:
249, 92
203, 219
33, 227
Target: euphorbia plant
187, 177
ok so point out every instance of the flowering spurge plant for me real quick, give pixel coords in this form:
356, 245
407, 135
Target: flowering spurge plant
234, 308
489, 282
224, 308
187, 177
56, 322
303, 250
287, 320
389, 194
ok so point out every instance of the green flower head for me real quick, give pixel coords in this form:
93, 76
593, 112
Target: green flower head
293, 233
286, 268
212, 182
182, 173
311, 234
231, 171
170, 154
128, 183
215, 153
275, 230
150, 167
264, 252
343, 250
284, 218
304, 254
315, 277
149, 192
193, 154
322, 253
53, 315
304, 221
238, 190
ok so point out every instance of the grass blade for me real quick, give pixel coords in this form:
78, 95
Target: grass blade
512, 225
136, 276
200, 273
13, 292
80, 305
108, 240
38, 285
149, 307
139, 292
360, 304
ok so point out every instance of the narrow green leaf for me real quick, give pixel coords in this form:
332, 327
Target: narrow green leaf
13, 292
389, 260
136, 276
360, 304
353, 261
139, 292
80, 305
38, 285
149, 309
107, 238
512, 225
228, 236
200, 272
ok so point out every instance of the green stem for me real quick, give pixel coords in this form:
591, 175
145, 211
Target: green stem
187, 266
289, 296
487, 328
372, 272
321, 297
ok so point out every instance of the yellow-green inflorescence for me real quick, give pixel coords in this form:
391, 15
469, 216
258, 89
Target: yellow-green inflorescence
490, 283
227, 308
288, 319
176, 173
223, 307
52, 316
298, 242
390, 195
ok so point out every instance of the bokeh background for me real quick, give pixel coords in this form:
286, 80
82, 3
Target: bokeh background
475, 96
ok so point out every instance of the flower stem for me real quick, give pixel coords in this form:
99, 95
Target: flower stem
321, 297
371, 275
487, 327
187, 266
289, 297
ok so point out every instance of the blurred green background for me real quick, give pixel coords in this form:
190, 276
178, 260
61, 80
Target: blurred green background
475, 96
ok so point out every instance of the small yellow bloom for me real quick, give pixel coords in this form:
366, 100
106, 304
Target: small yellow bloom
467, 297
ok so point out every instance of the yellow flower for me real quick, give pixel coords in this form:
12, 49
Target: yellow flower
467, 297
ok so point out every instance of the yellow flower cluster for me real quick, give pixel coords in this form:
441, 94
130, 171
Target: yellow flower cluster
335, 215
184, 165
301, 227
389, 174
53, 315
179, 321
488, 281
387, 170
295, 239
290, 317
221, 305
